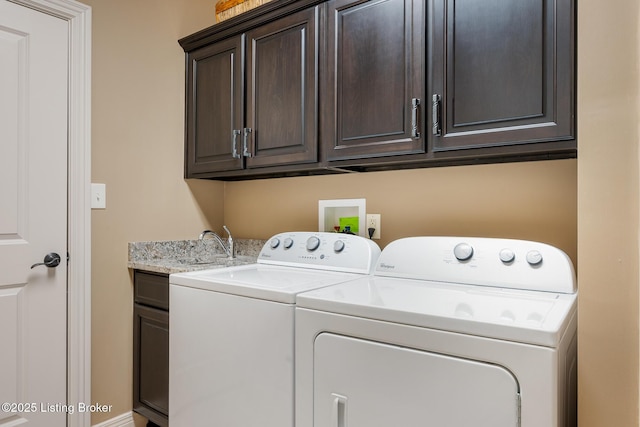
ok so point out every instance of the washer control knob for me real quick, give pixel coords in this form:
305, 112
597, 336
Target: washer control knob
313, 243
463, 251
534, 257
507, 255
274, 243
288, 242
338, 246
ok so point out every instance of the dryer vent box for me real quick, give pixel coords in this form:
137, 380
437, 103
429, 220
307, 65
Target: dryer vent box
336, 215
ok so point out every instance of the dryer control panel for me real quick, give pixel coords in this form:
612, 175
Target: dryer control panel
321, 250
505, 263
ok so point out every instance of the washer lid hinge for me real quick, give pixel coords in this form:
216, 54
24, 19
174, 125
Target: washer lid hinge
518, 410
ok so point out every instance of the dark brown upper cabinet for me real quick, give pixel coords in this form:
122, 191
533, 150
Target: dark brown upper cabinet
252, 99
215, 107
502, 75
374, 84
310, 86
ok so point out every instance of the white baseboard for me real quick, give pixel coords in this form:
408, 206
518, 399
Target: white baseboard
124, 420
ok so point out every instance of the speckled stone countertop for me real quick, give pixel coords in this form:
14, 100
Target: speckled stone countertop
176, 256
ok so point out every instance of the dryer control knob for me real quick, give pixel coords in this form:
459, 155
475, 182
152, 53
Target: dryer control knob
274, 243
313, 243
534, 257
463, 251
338, 246
288, 242
507, 255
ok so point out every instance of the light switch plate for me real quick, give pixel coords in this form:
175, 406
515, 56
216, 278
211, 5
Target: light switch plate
98, 196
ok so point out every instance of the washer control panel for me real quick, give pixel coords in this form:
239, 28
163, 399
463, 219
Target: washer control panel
505, 263
321, 250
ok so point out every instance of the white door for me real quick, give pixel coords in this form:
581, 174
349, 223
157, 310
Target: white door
33, 216
359, 383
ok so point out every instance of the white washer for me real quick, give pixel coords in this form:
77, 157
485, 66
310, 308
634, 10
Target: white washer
448, 332
231, 330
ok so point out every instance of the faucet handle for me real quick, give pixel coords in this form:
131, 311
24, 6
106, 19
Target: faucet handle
232, 247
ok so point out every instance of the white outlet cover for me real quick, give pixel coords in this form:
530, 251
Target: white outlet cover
375, 218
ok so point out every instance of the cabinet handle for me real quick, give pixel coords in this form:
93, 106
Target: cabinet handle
245, 143
436, 115
339, 410
415, 132
234, 143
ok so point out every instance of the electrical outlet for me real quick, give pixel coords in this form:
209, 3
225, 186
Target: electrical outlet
373, 221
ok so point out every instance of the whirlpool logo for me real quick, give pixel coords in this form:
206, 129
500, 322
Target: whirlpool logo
387, 266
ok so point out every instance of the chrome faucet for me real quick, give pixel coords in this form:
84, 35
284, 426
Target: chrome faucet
229, 248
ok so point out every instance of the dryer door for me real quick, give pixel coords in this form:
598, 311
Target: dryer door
359, 383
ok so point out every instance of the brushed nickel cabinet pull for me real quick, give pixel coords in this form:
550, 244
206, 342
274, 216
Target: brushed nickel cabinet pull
234, 143
245, 143
415, 132
436, 115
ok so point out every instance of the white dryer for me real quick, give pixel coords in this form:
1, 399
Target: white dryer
231, 330
448, 332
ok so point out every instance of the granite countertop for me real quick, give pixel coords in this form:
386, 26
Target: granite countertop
176, 256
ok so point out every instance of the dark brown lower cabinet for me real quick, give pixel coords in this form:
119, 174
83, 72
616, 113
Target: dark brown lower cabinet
151, 347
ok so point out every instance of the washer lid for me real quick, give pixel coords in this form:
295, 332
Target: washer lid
267, 282
532, 317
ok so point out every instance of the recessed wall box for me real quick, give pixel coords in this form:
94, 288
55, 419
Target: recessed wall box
330, 212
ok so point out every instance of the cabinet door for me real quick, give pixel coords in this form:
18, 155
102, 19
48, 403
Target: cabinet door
375, 69
503, 71
151, 363
282, 91
215, 107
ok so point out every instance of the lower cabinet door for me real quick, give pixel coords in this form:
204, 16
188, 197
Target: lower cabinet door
151, 364
359, 383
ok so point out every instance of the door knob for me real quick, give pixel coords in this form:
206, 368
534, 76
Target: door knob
50, 260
